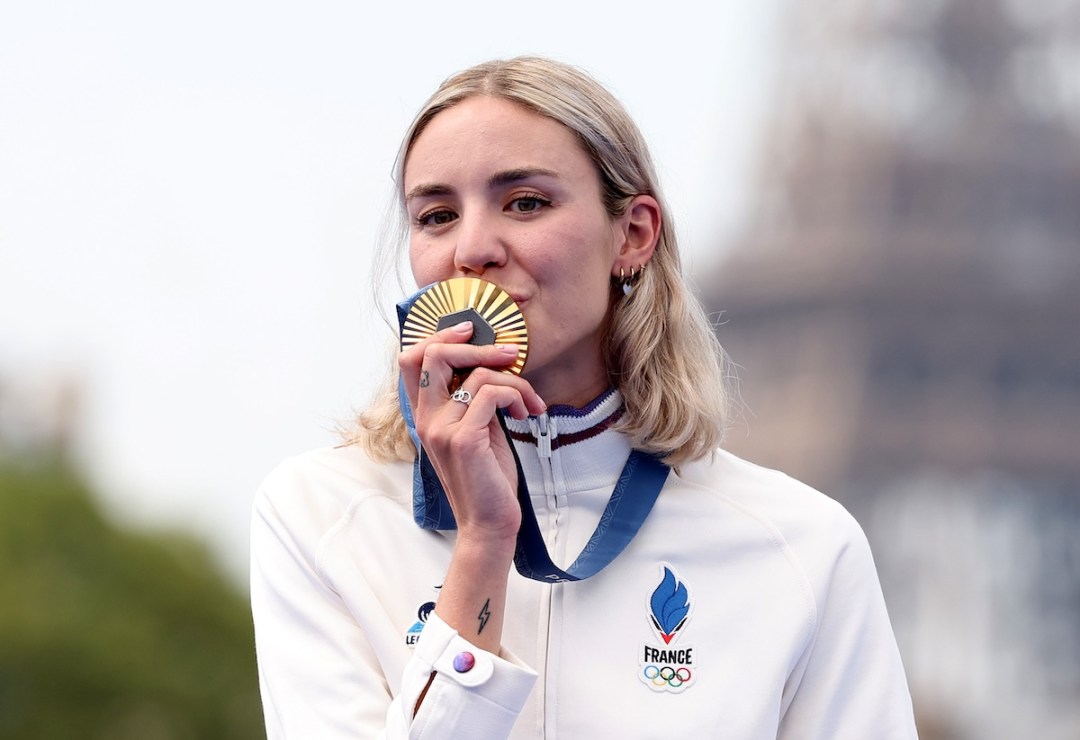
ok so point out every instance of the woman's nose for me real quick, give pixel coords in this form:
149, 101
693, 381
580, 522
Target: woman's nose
479, 246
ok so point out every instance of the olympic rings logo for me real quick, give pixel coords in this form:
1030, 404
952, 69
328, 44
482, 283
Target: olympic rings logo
667, 675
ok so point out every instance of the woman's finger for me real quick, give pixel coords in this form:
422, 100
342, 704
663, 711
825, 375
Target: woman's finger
433, 362
440, 411
411, 359
486, 394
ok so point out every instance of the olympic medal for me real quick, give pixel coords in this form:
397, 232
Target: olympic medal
495, 317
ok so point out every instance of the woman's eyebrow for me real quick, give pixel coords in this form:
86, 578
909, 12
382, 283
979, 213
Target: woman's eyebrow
509, 177
498, 180
422, 191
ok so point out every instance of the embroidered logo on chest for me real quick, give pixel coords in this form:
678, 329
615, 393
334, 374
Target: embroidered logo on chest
668, 666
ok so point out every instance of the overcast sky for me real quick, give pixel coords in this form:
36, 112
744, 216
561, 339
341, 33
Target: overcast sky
190, 192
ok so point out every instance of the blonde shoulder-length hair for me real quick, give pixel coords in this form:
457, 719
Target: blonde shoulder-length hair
661, 351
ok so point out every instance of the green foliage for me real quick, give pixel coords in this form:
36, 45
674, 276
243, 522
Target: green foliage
110, 633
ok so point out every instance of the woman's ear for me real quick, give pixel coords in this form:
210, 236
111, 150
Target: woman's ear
640, 231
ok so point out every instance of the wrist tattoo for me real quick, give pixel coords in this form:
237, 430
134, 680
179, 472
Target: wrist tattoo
483, 616
424, 381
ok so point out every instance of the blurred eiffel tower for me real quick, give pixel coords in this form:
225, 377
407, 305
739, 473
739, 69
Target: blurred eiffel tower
904, 309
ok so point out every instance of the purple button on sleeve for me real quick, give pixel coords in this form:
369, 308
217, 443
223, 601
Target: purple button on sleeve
464, 662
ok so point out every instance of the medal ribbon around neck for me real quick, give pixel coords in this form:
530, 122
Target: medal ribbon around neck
497, 319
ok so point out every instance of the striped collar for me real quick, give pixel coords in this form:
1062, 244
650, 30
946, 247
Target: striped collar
571, 424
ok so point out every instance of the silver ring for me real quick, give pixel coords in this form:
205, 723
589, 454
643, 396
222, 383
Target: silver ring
461, 395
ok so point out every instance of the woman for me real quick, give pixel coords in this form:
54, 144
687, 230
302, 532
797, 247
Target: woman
745, 606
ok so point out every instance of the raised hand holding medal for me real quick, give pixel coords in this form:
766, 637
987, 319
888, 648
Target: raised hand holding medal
464, 343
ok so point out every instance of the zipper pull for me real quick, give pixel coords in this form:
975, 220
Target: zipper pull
543, 436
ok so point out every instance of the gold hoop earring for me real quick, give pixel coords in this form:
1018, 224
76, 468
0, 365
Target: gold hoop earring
627, 282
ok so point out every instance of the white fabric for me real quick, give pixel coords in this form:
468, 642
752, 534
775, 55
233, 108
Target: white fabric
788, 631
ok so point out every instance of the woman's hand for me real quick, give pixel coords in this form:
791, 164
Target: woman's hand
464, 441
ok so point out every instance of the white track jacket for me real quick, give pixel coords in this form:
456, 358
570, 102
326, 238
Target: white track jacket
747, 607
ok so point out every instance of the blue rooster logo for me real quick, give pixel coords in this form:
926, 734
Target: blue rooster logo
669, 606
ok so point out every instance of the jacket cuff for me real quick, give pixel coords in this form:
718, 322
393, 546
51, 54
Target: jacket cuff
473, 693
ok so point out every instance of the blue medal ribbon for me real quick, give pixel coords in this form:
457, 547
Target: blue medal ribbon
431, 508
635, 492
639, 485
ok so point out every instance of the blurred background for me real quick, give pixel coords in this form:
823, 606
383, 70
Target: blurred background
879, 201
903, 304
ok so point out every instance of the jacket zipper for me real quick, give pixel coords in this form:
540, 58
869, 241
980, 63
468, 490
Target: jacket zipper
544, 430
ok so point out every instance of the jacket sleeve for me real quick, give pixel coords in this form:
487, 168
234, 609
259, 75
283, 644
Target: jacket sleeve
320, 675
849, 684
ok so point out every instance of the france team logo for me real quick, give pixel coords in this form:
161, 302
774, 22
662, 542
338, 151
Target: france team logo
669, 606
664, 667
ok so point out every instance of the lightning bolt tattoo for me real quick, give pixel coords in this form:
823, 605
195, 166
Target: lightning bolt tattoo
483, 616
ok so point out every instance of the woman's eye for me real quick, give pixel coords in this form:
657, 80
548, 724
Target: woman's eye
528, 203
439, 217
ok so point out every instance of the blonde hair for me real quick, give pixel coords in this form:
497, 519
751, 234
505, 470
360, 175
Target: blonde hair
661, 351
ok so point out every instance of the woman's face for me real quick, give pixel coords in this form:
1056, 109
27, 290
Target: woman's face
496, 191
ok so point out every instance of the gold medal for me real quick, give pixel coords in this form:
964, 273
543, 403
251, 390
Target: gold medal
495, 317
